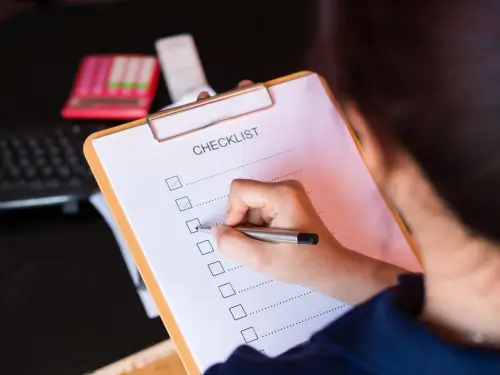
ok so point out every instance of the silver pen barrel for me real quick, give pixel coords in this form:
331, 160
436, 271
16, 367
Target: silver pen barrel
272, 235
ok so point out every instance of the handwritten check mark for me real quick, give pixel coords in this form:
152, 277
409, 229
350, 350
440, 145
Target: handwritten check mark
174, 183
184, 204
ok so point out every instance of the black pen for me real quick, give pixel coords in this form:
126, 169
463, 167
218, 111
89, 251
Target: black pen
273, 235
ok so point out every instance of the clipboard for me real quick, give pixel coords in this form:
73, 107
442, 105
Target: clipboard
177, 123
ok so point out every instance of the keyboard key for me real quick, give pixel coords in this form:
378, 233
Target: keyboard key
37, 151
41, 161
33, 142
63, 171
54, 150
74, 182
47, 171
13, 170
36, 184
24, 162
30, 172
6, 185
56, 160
42, 164
52, 184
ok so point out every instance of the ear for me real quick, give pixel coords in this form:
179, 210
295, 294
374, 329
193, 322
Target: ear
370, 145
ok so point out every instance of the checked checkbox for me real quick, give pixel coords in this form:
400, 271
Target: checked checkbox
183, 203
173, 183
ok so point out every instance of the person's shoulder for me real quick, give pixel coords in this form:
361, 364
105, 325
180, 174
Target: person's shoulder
308, 358
337, 346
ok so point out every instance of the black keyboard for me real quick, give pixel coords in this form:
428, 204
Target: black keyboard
45, 166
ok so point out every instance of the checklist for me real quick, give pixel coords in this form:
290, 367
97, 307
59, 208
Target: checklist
211, 295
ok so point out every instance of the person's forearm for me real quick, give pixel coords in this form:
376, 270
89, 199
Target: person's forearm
353, 277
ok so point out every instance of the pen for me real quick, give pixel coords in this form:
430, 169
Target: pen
273, 235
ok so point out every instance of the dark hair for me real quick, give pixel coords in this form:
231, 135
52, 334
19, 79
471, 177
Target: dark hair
426, 76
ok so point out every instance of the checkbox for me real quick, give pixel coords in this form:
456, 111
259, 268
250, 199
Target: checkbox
193, 225
173, 183
216, 268
238, 312
205, 247
249, 335
226, 290
183, 204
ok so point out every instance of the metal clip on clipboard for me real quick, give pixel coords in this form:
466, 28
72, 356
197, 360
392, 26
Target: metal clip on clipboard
175, 122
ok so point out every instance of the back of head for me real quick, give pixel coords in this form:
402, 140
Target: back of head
426, 76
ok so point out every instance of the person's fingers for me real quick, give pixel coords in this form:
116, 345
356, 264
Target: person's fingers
203, 95
248, 194
245, 82
241, 248
255, 217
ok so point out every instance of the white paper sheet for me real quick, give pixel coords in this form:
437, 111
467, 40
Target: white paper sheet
167, 188
102, 207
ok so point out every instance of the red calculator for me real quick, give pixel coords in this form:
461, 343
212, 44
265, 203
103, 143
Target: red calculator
113, 87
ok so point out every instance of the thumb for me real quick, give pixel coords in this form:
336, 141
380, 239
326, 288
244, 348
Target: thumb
241, 248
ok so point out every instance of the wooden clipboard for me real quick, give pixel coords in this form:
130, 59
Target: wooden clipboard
156, 122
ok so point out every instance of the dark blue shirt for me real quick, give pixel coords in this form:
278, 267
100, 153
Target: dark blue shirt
380, 336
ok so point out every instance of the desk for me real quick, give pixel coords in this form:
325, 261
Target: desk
67, 304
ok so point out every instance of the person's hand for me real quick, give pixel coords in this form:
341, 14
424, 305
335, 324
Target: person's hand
327, 267
283, 205
205, 94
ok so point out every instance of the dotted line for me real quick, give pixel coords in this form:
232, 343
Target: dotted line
301, 321
285, 175
212, 200
234, 268
280, 303
255, 286
239, 167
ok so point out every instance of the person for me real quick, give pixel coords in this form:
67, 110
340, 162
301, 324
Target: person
418, 81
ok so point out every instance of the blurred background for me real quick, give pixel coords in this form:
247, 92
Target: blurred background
69, 302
